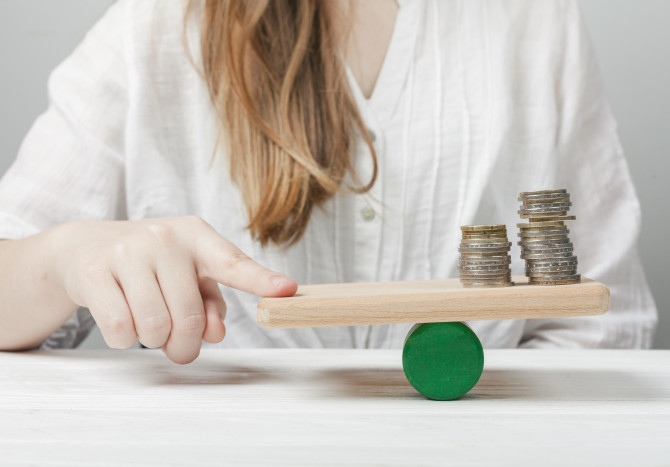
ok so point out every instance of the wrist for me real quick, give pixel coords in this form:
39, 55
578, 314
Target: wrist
54, 255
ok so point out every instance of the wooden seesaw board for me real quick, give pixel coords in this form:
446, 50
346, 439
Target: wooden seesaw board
429, 301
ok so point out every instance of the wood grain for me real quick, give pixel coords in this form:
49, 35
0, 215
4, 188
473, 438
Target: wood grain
428, 301
305, 407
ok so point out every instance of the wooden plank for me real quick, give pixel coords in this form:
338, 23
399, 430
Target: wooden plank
428, 301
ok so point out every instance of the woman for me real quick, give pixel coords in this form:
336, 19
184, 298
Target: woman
329, 141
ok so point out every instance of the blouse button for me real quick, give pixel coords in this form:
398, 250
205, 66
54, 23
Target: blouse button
368, 214
373, 136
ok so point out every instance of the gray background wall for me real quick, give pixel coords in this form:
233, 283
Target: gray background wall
631, 39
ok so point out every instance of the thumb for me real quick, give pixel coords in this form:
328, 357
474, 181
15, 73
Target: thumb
220, 260
215, 311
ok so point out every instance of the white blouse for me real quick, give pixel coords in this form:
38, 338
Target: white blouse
476, 101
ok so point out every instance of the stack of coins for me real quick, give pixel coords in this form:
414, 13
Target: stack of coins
485, 256
544, 240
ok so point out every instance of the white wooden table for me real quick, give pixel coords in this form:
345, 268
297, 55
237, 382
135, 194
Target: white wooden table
316, 407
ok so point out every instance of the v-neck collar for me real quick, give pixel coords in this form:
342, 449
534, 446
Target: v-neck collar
395, 67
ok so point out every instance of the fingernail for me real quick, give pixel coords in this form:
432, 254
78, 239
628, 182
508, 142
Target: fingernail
280, 281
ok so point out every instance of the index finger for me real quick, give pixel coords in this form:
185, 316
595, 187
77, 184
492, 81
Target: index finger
219, 259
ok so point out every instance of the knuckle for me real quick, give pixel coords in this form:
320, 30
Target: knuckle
236, 259
118, 326
93, 268
118, 333
196, 221
154, 330
120, 249
191, 324
161, 232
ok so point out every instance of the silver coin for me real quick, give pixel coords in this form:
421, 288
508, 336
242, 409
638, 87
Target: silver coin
482, 277
483, 227
572, 280
563, 256
536, 245
487, 245
490, 238
543, 233
550, 218
558, 215
541, 277
532, 228
548, 241
484, 283
474, 265
543, 208
535, 278
484, 254
484, 266
529, 257
486, 277
533, 247
550, 225
484, 272
551, 205
475, 241
546, 272
546, 277
501, 266
472, 284
534, 241
552, 269
553, 262
548, 252
477, 285
561, 277
525, 194
545, 212
537, 196
483, 234
564, 259
466, 254
562, 197
486, 259
529, 225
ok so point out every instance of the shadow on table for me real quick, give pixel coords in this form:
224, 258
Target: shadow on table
167, 374
348, 383
550, 384
565, 384
374, 382
366, 383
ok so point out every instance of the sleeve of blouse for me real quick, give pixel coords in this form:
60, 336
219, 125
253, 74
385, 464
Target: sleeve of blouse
592, 165
70, 165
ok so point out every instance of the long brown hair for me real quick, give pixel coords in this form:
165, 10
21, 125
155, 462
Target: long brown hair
277, 81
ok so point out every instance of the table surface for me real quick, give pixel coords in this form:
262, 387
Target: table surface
324, 407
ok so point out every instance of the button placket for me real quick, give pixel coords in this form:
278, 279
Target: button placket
368, 211
368, 214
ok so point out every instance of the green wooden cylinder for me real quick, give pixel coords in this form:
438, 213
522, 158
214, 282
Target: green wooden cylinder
442, 361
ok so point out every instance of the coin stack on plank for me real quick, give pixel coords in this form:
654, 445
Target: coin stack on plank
544, 240
485, 260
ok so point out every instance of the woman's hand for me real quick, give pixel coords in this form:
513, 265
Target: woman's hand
156, 280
